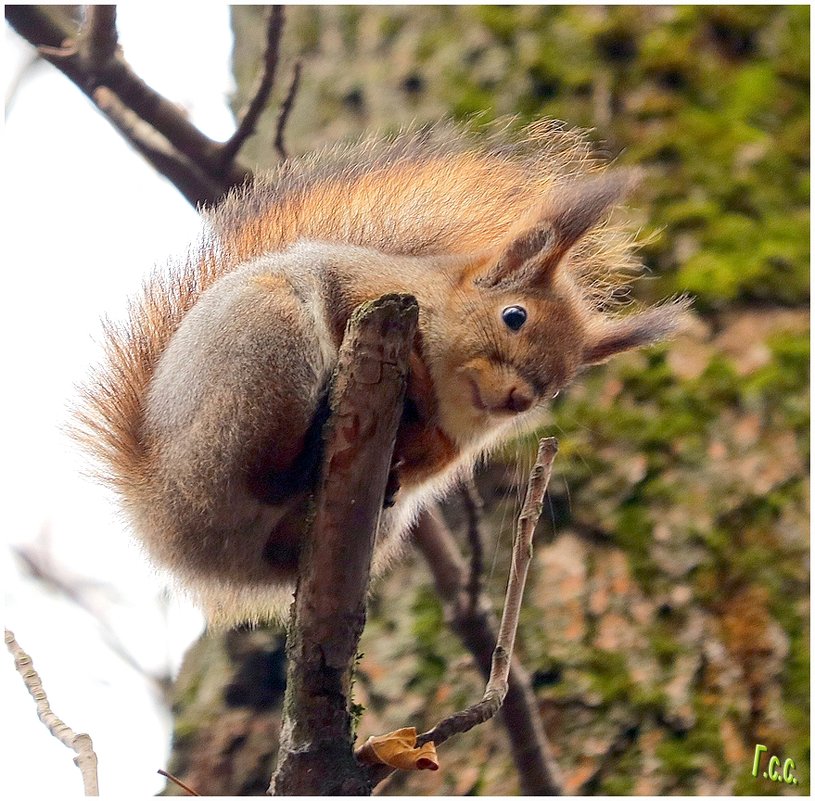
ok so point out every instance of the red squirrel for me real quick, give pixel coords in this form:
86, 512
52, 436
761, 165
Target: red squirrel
207, 413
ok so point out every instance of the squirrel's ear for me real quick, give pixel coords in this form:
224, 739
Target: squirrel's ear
575, 208
645, 328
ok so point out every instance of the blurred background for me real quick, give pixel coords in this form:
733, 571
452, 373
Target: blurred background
666, 626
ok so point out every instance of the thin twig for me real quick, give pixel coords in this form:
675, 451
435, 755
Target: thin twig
285, 110
508, 691
177, 781
85, 758
522, 554
264, 84
538, 773
473, 507
502, 655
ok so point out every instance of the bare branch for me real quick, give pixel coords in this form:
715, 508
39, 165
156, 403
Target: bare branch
264, 84
477, 626
178, 782
166, 117
316, 749
55, 40
473, 507
32, 22
498, 683
40, 27
202, 169
521, 557
197, 186
285, 110
85, 758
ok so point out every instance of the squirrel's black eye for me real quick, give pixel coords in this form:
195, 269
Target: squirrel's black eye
514, 317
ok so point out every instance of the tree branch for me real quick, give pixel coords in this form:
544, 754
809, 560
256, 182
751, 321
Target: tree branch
316, 749
472, 508
264, 84
202, 169
197, 186
498, 683
285, 110
85, 758
40, 27
99, 63
175, 780
98, 37
507, 690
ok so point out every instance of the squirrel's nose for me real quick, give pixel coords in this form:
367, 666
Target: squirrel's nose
518, 400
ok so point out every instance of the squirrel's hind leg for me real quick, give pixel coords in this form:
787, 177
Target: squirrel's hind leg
272, 482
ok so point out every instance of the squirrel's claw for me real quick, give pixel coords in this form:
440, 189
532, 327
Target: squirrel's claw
393, 485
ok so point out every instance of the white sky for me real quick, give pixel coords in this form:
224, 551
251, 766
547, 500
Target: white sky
84, 219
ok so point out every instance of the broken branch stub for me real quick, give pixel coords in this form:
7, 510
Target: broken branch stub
81, 744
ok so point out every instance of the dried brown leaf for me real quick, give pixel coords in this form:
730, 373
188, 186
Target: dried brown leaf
397, 749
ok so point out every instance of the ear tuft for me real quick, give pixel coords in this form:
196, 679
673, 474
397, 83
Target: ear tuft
580, 205
636, 330
571, 211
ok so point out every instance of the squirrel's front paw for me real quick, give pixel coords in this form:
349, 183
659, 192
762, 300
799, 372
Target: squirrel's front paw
393, 485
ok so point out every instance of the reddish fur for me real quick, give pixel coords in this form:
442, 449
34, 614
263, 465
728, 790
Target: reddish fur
432, 192
421, 450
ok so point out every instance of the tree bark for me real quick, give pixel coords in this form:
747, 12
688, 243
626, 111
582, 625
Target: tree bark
316, 742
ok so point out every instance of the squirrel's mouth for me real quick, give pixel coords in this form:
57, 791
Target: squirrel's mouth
512, 402
478, 401
483, 406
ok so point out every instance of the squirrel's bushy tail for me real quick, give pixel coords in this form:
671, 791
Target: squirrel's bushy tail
428, 191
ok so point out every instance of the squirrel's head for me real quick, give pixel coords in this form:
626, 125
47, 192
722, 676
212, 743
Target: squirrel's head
524, 325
